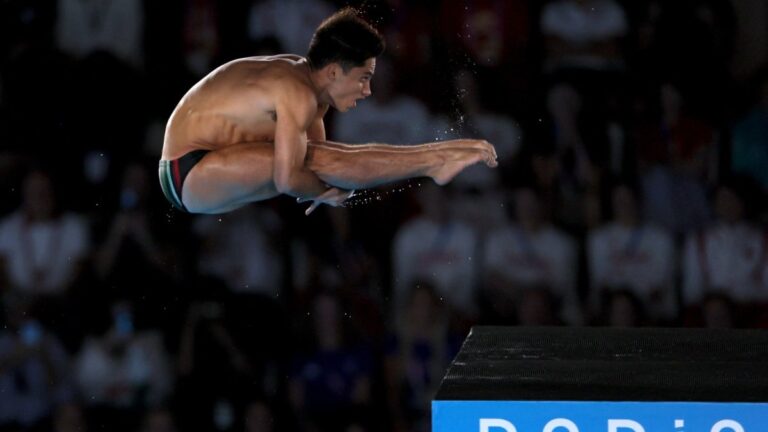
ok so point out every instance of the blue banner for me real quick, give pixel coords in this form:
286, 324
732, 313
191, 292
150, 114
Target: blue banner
563, 416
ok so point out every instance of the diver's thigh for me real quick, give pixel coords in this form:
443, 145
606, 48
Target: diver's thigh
229, 178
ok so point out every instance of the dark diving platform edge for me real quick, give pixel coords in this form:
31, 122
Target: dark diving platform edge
607, 364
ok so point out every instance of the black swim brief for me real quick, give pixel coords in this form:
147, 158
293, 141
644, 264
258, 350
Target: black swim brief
173, 173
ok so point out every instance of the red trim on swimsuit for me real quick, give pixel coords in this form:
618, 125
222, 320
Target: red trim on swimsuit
176, 174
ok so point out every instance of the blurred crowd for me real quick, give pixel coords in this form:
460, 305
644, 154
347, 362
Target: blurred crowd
633, 147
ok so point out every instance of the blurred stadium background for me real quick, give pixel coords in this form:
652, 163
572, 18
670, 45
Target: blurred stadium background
633, 149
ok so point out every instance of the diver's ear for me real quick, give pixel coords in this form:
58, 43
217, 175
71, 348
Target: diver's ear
334, 71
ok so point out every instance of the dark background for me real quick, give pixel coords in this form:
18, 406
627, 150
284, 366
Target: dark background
120, 313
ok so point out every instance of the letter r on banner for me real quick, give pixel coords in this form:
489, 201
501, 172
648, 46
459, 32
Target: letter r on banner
487, 424
615, 424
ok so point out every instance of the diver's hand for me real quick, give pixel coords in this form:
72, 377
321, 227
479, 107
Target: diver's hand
333, 197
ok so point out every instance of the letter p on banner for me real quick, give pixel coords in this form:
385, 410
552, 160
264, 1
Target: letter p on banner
487, 424
614, 425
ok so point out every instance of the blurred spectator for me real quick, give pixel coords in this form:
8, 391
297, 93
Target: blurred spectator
105, 40
417, 354
564, 200
493, 36
583, 49
69, 417
695, 48
114, 27
32, 100
214, 370
439, 248
259, 417
125, 367
628, 252
42, 246
728, 256
331, 383
621, 308
750, 43
475, 120
537, 306
675, 154
749, 140
242, 248
200, 36
407, 29
292, 22
493, 32
482, 209
718, 311
583, 34
531, 252
158, 420
34, 368
387, 117
135, 256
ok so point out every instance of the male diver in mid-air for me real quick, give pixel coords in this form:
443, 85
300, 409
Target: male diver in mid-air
253, 129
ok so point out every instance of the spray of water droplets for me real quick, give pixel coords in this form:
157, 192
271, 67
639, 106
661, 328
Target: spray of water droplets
370, 196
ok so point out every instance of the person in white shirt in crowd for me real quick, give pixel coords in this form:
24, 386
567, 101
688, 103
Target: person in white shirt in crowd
34, 367
476, 119
730, 255
531, 252
42, 247
582, 41
389, 116
117, 27
124, 368
242, 249
630, 253
290, 21
436, 246
583, 34
478, 192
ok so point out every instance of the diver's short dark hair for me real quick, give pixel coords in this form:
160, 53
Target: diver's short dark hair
344, 38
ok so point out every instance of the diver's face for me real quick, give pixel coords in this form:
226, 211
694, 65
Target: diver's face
347, 88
